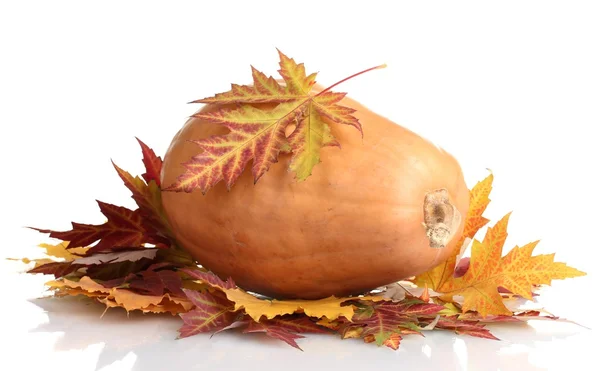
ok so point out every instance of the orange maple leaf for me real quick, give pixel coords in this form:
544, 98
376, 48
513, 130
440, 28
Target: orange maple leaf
518, 272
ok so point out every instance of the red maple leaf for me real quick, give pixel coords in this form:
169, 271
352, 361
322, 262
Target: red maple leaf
157, 283
385, 322
465, 327
124, 228
152, 163
210, 278
213, 312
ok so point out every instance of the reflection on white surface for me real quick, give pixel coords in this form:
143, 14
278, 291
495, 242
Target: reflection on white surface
71, 331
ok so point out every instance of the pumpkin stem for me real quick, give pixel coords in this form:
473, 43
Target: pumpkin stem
442, 219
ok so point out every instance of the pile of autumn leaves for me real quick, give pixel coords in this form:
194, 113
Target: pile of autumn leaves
133, 262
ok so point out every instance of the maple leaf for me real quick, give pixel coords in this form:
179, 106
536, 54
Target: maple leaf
518, 271
330, 307
147, 193
259, 135
57, 269
275, 331
117, 297
104, 262
124, 228
286, 328
517, 316
474, 221
63, 251
152, 163
210, 278
53, 267
256, 308
156, 283
464, 327
212, 312
117, 257
383, 323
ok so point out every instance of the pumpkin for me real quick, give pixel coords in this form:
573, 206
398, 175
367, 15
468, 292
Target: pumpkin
382, 208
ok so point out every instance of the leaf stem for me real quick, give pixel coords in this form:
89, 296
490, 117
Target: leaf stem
350, 77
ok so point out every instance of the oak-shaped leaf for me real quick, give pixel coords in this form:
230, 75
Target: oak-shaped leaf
258, 134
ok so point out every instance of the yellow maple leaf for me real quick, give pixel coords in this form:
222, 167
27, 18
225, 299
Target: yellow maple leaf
330, 307
37, 262
518, 271
479, 200
54, 251
60, 251
118, 297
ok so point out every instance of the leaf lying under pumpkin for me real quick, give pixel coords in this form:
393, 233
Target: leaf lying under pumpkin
124, 298
256, 308
259, 134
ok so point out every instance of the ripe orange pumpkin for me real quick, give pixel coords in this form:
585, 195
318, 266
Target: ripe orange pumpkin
378, 210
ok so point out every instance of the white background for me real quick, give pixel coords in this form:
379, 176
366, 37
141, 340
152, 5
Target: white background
513, 86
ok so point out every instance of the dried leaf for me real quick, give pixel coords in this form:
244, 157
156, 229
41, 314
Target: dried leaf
275, 331
57, 269
124, 298
63, 251
116, 257
383, 322
124, 228
258, 134
152, 163
256, 308
464, 327
297, 323
285, 328
210, 278
212, 312
148, 196
157, 283
518, 271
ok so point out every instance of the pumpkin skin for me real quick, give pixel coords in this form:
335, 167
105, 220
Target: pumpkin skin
355, 224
